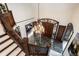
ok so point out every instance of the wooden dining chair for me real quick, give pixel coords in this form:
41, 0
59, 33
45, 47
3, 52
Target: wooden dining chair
60, 33
49, 25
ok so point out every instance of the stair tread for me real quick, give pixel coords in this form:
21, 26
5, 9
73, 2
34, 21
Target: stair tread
2, 46
19, 53
8, 50
22, 54
15, 52
4, 38
11, 51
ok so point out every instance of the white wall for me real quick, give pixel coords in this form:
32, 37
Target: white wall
75, 18
35, 10
63, 12
21, 11
58, 11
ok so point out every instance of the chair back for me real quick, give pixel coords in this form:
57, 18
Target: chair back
50, 26
60, 33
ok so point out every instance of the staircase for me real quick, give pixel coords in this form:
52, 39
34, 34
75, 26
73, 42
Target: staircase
8, 47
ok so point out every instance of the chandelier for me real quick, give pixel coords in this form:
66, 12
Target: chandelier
38, 27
